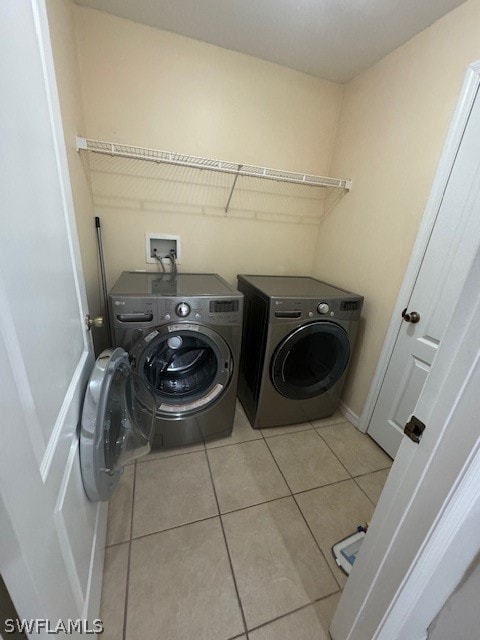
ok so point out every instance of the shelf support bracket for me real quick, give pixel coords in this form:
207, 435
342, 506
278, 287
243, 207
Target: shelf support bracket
81, 143
233, 187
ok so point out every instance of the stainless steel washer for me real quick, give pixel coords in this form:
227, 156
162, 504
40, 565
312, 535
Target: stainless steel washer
183, 335
297, 342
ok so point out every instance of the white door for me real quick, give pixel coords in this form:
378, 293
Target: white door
445, 265
424, 533
52, 536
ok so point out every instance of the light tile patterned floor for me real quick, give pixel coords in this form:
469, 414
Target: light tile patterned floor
233, 540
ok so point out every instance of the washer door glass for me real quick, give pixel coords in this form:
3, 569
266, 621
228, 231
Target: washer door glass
310, 360
117, 423
185, 366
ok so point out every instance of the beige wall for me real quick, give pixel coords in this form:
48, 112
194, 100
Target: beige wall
62, 32
391, 131
152, 88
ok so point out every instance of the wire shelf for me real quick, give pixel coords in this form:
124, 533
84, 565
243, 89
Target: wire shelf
209, 164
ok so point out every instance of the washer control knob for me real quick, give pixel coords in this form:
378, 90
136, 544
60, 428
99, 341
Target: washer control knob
323, 308
182, 310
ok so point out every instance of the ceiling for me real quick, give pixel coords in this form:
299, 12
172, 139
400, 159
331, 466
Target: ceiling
330, 39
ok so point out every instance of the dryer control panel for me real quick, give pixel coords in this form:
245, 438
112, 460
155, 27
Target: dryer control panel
288, 309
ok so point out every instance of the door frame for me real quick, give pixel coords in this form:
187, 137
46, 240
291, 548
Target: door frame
470, 88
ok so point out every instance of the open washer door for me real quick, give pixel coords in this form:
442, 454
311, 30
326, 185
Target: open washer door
117, 423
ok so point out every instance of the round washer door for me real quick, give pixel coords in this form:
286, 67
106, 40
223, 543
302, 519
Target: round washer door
117, 423
186, 366
310, 360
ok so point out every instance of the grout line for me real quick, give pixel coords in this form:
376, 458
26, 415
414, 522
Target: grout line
362, 475
177, 526
318, 545
117, 544
283, 615
278, 467
129, 554
255, 504
362, 489
242, 612
288, 613
322, 486
172, 455
365, 493
224, 513
287, 433
329, 596
232, 444
323, 440
335, 424
240, 635
304, 518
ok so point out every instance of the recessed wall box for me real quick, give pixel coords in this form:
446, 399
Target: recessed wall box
160, 244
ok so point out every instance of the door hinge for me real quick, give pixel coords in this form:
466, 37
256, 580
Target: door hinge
414, 429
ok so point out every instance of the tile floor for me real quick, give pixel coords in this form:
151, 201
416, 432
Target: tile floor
233, 539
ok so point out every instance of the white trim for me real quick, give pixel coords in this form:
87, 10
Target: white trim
467, 97
350, 415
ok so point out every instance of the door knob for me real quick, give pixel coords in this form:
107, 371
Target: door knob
412, 317
93, 322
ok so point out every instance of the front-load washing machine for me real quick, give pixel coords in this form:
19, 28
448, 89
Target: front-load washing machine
297, 342
183, 335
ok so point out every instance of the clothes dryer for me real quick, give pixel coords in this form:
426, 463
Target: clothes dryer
298, 338
183, 335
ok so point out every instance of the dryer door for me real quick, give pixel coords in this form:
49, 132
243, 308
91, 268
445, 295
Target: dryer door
186, 366
310, 360
117, 423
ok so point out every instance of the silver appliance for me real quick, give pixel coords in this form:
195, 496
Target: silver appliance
297, 342
183, 335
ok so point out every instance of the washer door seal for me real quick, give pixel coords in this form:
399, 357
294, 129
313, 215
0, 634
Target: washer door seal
310, 360
186, 366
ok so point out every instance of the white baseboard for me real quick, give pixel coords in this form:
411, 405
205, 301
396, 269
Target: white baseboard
350, 415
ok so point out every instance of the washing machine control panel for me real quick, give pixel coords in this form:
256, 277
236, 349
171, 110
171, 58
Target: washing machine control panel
133, 311
203, 310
